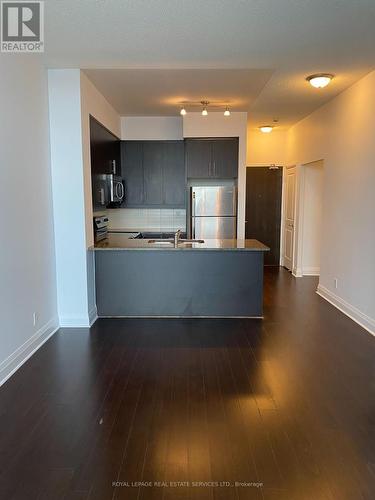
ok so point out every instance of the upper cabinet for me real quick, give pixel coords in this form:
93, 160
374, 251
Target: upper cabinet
104, 150
132, 172
212, 158
154, 173
198, 158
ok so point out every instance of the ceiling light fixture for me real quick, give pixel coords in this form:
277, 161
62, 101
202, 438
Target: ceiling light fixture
226, 112
319, 80
204, 110
183, 111
266, 129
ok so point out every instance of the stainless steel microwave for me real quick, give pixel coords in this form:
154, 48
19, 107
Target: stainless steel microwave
107, 189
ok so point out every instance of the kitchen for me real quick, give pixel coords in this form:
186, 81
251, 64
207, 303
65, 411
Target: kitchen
142, 364
153, 197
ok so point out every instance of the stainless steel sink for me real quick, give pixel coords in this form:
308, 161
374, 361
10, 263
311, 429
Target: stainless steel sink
162, 241
181, 241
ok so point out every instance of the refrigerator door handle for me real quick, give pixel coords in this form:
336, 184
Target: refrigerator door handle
193, 228
235, 201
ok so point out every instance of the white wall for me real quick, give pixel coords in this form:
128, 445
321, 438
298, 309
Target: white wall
312, 217
27, 261
342, 134
155, 128
68, 196
72, 98
218, 125
265, 149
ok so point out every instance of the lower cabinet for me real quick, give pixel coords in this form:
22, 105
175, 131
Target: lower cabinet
154, 173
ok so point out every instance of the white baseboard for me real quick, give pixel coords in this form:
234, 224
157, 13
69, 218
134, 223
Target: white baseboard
93, 315
311, 271
74, 321
352, 312
297, 272
11, 364
79, 321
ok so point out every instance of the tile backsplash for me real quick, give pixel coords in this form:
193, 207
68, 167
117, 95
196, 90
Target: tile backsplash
147, 219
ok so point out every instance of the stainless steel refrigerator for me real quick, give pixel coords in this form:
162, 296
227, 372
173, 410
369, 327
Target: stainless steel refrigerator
213, 212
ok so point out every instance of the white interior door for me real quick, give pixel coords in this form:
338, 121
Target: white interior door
289, 216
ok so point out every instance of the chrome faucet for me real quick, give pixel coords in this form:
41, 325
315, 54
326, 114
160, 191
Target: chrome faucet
177, 237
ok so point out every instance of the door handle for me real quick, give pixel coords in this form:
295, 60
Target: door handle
101, 196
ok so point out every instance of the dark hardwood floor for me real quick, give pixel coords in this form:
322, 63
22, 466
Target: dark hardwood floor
288, 402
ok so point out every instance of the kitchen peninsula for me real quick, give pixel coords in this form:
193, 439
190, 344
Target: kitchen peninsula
150, 278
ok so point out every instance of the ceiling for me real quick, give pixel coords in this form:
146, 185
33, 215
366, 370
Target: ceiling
159, 92
270, 46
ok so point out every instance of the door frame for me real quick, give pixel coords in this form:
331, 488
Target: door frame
282, 203
299, 206
283, 210
300, 209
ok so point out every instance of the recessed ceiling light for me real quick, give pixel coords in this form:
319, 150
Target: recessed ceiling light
227, 112
266, 129
319, 80
183, 111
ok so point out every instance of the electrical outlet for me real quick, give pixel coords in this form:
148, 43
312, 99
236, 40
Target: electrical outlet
35, 318
335, 281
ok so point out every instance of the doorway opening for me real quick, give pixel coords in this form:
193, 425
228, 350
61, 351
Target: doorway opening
263, 209
302, 218
310, 219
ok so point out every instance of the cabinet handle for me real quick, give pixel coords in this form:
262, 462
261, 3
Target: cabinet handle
214, 168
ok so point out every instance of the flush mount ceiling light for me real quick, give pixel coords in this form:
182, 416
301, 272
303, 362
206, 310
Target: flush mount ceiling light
266, 129
183, 111
320, 80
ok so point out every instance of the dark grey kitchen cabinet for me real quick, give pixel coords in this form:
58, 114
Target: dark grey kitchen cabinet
225, 158
212, 158
174, 178
132, 172
104, 149
154, 174
198, 154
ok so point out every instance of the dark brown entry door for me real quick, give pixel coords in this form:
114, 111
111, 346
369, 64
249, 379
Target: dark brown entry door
263, 209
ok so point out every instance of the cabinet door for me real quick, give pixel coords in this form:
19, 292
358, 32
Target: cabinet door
132, 172
173, 174
225, 158
152, 171
104, 148
198, 158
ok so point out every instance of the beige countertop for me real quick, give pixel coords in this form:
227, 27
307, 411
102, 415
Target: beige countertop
117, 241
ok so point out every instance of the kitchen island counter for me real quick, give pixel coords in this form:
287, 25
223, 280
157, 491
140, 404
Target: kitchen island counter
218, 278
118, 241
